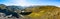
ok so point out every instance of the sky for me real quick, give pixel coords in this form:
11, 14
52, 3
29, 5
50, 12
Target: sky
30, 2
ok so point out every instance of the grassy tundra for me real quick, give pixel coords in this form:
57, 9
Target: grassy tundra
44, 12
40, 12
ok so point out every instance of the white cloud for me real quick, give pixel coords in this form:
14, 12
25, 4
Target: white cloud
22, 2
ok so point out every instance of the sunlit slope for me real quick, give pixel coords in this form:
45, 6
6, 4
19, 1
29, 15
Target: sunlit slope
44, 12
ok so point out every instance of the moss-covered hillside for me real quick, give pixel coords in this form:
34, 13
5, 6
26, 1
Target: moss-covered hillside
44, 12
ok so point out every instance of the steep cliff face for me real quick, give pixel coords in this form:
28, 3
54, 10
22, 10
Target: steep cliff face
6, 10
